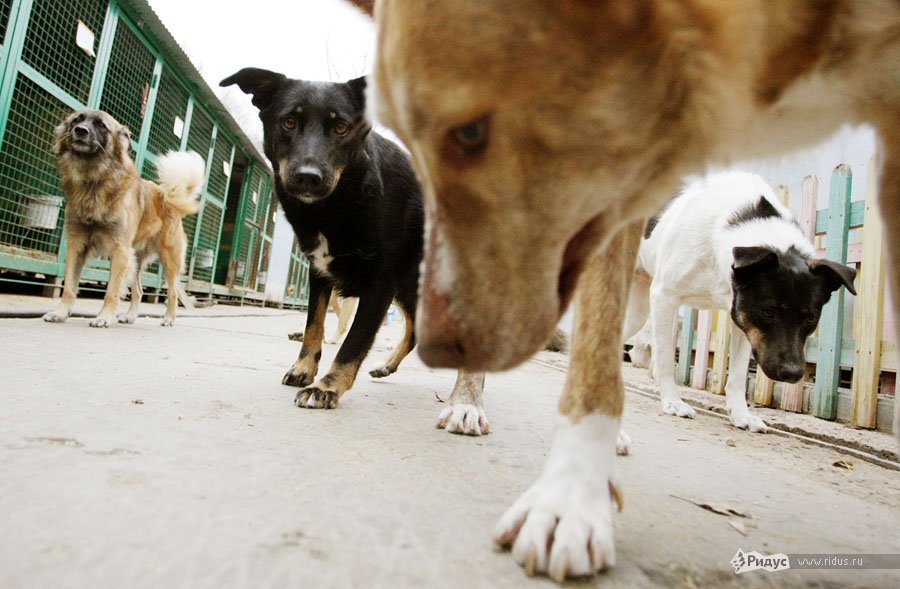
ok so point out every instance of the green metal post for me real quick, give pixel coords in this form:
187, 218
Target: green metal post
19, 15
141, 150
101, 64
831, 323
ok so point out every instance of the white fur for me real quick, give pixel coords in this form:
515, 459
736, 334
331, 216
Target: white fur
181, 172
689, 255
464, 413
570, 503
320, 257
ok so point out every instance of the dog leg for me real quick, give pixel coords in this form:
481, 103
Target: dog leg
344, 311
662, 315
76, 255
307, 364
464, 413
171, 261
137, 293
623, 443
736, 386
562, 525
327, 391
121, 260
402, 349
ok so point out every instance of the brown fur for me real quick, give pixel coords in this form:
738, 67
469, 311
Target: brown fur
111, 211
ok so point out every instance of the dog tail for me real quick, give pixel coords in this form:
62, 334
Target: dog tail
181, 175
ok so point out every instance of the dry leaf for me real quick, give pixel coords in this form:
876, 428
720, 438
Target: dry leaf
848, 464
720, 508
439, 400
138, 402
738, 525
730, 442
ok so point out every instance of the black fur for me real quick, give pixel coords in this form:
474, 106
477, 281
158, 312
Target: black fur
780, 295
761, 209
363, 197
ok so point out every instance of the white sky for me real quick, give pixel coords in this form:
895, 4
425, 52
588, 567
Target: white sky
308, 39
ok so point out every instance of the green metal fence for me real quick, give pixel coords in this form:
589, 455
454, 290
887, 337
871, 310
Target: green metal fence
297, 290
61, 55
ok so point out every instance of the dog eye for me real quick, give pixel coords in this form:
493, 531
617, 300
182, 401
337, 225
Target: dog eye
811, 318
768, 313
341, 128
100, 125
471, 137
289, 122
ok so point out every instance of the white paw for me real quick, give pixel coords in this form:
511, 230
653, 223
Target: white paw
746, 420
462, 418
562, 525
167, 322
623, 444
54, 317
678, 407
330, 340
101, 322
129, 319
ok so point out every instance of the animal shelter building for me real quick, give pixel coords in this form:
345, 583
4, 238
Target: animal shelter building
57, 56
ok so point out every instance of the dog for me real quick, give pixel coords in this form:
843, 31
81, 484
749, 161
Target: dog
110, 210
546, 133
355, 204
727, 243
344, 309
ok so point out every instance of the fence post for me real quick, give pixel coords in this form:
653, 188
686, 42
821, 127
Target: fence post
869, 315
701, 358
686, 344
720, 355
831, 324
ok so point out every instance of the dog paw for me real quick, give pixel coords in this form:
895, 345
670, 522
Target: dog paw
101, 322
167, 322
381, 372
748, 421
562, 526
623, 444
297, 377
54, 317
128, 319
316, 398
462, 418
678, 407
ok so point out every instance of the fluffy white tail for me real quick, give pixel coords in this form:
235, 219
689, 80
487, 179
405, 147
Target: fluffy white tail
181, 176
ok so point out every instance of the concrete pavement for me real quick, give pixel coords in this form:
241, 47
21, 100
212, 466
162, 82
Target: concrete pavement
147, 457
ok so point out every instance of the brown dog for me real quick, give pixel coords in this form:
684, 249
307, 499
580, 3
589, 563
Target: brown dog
111, 211
545, 132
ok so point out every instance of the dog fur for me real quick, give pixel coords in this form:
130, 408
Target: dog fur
353, 200
727, 243
545, 132
110, 210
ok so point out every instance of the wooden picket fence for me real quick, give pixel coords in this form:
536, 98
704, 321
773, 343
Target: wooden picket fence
870, 353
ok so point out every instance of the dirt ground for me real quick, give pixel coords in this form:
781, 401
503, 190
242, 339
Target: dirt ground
140, 456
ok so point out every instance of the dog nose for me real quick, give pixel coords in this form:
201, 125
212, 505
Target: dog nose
791, 372
80, 132
440, 337
308, 178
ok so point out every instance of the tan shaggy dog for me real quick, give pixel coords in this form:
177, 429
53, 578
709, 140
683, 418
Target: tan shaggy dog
545, 132
110, 210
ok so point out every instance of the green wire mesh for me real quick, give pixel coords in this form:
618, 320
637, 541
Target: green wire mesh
28, 173
5, 9
218, 181
128, 79
297, 290
208, 241
167, 127
50, 43
263, 274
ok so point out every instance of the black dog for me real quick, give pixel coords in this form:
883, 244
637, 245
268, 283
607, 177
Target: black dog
355, 204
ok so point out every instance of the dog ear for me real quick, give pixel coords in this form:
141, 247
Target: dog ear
262, 84
59, 135
749, 260
834, 274
358, 88
367, 6
124, 137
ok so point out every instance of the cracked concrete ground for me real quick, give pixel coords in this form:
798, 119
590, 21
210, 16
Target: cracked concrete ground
146, 457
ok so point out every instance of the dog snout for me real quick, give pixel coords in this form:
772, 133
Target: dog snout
441, 341
791, 372
307, 179
80, 132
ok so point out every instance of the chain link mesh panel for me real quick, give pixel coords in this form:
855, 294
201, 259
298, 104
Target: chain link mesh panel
200, 133
167, 127
128, 80
50, 44
221, 161
263, 273
5, 9
30, 216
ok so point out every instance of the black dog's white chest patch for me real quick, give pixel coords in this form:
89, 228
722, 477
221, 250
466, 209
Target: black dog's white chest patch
320, 256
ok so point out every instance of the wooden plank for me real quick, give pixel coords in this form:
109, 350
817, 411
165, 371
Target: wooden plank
831, 324
792, 394
685, 345
720, 352
855, 216
701, 358
868, 317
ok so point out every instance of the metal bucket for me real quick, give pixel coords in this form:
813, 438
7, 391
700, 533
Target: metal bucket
40, 212
204, 258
